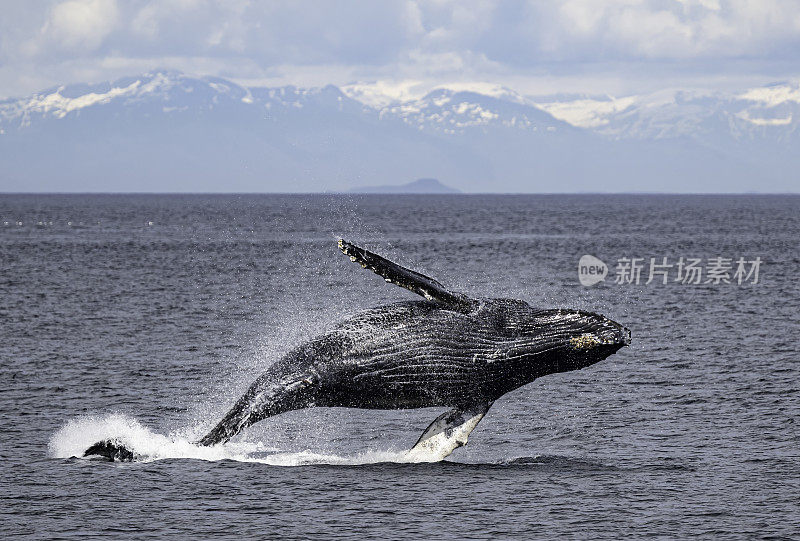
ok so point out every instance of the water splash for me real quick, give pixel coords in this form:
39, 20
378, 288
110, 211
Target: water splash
77, 435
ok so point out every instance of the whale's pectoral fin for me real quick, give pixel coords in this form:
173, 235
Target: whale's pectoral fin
447, 432
407, 278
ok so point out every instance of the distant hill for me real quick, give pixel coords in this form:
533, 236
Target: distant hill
421, 185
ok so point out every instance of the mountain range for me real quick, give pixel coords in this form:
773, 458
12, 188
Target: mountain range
167, 131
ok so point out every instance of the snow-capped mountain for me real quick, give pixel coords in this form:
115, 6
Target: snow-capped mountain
166, 131
452, 112
768, 112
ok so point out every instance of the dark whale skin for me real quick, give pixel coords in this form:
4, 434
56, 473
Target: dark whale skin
419, 354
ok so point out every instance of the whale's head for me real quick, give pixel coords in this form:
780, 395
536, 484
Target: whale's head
591, 337
581, 338
559, 340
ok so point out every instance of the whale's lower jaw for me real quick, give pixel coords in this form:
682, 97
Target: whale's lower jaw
112, 450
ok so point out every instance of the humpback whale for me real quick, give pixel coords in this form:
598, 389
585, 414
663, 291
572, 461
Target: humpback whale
449, 350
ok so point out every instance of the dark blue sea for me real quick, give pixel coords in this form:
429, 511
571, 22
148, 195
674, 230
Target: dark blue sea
145, 316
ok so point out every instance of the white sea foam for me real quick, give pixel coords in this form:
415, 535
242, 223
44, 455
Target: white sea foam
79, 434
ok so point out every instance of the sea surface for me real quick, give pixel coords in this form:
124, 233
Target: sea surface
145, 316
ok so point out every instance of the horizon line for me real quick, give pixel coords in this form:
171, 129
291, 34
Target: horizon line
396, 194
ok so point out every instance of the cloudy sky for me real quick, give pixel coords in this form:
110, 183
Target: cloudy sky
534, 46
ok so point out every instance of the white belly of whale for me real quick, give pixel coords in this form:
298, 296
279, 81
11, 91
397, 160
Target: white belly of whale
448, 432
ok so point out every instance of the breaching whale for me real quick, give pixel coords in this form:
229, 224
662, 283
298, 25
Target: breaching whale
450, 350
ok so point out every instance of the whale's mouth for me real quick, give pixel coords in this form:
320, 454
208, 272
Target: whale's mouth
615, 334
626, 336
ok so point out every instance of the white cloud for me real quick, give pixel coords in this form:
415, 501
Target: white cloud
617, 41
678, 29
80, 25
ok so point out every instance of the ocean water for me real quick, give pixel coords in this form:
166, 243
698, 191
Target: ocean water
145, 317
